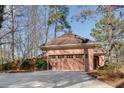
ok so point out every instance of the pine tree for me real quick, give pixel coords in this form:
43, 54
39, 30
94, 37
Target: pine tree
108, 33
57, 17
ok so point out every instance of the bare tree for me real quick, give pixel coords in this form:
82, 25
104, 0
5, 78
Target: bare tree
12, 31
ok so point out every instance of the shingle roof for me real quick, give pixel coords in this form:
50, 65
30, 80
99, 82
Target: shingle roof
68, 38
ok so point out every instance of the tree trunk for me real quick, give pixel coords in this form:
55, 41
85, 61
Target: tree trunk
46, 27
55, 30
13, 30
110, 44
109, 36
46, 35
55, 25
110, 56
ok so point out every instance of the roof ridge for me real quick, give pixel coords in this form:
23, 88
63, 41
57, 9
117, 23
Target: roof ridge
68, 38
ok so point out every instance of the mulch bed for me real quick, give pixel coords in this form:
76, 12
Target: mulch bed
18, 71
114, 81
121, 85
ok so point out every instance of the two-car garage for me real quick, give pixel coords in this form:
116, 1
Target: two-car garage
68, 62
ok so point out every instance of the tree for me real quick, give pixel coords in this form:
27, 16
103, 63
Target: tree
104, 11
7, 29
101, 34
57, 17
46, 11
24, 29
12, 30
35, 29
11, 27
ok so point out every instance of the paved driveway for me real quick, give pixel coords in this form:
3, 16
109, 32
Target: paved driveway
48, 79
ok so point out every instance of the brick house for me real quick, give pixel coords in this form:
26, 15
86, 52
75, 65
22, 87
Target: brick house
70, 52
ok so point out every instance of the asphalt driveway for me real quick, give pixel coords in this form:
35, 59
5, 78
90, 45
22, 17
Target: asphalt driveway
50, 79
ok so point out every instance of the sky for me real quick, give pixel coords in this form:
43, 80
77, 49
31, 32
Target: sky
81, 29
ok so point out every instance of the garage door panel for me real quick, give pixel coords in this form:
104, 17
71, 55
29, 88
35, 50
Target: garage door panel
67, 64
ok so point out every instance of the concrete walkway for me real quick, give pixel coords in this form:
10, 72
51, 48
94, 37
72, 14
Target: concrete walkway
50, 79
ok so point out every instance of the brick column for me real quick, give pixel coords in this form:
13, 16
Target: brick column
88, 59
101, 60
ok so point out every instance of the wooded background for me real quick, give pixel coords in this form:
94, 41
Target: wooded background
24, 28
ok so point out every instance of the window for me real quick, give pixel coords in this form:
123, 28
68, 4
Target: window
60, 56
69, 56
52, 56
79, 56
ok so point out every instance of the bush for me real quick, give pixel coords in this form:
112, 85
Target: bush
5, 66
120, 74
1, 67
25, 65
41, 64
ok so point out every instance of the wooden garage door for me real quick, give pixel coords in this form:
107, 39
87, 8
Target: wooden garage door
67, 62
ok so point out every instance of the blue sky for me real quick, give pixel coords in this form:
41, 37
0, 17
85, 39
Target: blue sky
81, 29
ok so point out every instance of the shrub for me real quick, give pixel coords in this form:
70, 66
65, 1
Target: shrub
120, 74
1, 67
25, 65
41, 64
5, 66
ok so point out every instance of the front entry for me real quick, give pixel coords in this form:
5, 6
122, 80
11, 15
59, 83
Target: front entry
96, 62
66, 62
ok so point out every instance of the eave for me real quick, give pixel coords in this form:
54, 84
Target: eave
99, 54
70, 46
